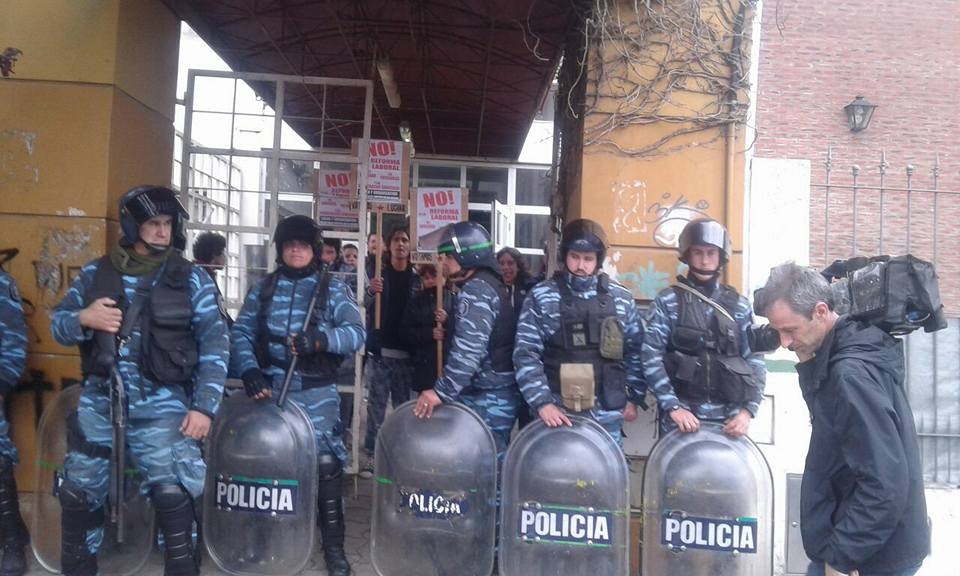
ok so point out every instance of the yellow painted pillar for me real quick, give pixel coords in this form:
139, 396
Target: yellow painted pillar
663, 137
86, 115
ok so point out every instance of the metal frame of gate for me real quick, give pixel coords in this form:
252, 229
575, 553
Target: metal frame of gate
273, 157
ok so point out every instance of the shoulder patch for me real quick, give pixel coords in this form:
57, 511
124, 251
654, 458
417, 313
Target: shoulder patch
463, 309
14, 293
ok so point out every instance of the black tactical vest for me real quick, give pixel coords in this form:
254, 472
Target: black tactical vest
168, 349
703, 354
577, 341
504, 331
315, 369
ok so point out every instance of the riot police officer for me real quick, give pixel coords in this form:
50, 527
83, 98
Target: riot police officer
579, 337
696, 354
171, 357
479, 368
269, 331
13, 360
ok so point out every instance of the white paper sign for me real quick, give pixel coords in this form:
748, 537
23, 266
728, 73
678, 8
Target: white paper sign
437, 207
386, 168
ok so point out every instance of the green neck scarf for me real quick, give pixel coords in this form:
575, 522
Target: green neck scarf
130, 263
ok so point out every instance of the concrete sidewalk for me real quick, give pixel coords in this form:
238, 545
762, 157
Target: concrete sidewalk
358, 493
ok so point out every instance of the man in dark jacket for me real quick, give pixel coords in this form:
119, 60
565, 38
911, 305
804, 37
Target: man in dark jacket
388, 369
862, 506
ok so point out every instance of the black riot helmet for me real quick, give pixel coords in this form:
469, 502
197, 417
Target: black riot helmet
469, 244
584, 235
704, 232
298, 227
142, 203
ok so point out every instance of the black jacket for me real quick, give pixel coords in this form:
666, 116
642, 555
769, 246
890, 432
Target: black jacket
417, 331
862, 503
373, 343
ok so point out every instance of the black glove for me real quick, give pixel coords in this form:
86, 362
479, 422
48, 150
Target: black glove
254, 382
309, 342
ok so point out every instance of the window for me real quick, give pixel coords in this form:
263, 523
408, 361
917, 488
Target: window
531, 230
487, 184
533, 187
439, 176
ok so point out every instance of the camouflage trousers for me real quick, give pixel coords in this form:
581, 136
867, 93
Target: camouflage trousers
322, 406
157, 449
7, 448
497, 407
387, 378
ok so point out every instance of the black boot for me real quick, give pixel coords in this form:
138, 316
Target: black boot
76, 519
175, 518
330, 508
13, 532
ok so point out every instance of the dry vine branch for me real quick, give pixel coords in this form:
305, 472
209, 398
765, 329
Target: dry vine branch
680, 62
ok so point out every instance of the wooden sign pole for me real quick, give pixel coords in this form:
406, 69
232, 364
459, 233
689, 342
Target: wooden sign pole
441, 281
378, 268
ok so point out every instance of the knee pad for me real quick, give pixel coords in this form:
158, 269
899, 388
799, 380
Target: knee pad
175, 518
169, 497
76, 520
329, 467
72, 497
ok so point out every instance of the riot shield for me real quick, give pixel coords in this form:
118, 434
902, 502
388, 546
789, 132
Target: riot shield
260, 497
566, 502
138, 515
708, 506
434, 498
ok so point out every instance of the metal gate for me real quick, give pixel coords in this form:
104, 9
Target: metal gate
243, 167
870, 209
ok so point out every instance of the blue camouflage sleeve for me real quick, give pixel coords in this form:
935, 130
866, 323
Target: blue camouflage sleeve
213, 342
744, 318
13, 335
477, 304
245, 331
632, 350
528, 349
656, 334
347, 333
65, 322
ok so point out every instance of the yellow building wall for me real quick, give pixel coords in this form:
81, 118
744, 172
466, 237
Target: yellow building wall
87, 115
643, 194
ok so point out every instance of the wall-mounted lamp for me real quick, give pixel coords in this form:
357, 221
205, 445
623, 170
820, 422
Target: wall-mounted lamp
389, 83
859, 113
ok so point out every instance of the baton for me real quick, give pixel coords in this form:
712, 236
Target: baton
282, 400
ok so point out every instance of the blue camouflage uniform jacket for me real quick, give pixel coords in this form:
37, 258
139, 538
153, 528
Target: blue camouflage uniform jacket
662, 317
209, 330
540, 319
468, 366
339, 320
13, 335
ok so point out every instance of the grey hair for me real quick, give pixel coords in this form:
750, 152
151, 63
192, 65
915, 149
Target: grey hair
799, 287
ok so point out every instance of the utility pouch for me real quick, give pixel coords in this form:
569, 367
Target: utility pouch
577, 386
613, 389
687, 376
689, 340
737, 382
611, 338
682, 367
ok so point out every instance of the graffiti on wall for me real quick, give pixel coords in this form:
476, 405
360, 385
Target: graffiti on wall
646, 281
631, 197
669, 214
666, 216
